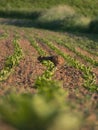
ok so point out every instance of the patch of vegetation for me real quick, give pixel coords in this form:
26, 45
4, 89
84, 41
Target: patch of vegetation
3, 35
20, 14
47, 110
62, 18
88, 75
50, 67
11, 61
87, 8
55, 15
87, 42
93, 26
72, 48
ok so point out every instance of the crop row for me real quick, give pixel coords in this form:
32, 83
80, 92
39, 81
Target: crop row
88, 75
36, 46
50, 67
67, 40
94, 53
11, 61
71, 48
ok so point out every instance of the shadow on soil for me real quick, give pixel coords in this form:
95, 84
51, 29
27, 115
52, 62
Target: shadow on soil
53, 26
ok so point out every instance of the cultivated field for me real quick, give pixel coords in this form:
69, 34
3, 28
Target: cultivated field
76, 70
48, 65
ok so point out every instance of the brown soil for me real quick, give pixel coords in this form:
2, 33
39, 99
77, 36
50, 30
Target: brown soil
95, 71
70, 76
52, 55
65, 50
1, 32
70, 53
46, 48
80, 97
29, 68
86, 53
5, 126
27, 71
7, 50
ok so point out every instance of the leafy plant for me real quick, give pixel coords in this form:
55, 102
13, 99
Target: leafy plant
46, 110
88, 75
71, 48
11, 61
3, 35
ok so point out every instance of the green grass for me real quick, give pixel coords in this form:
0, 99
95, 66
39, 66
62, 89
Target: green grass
88, 7
52, 14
